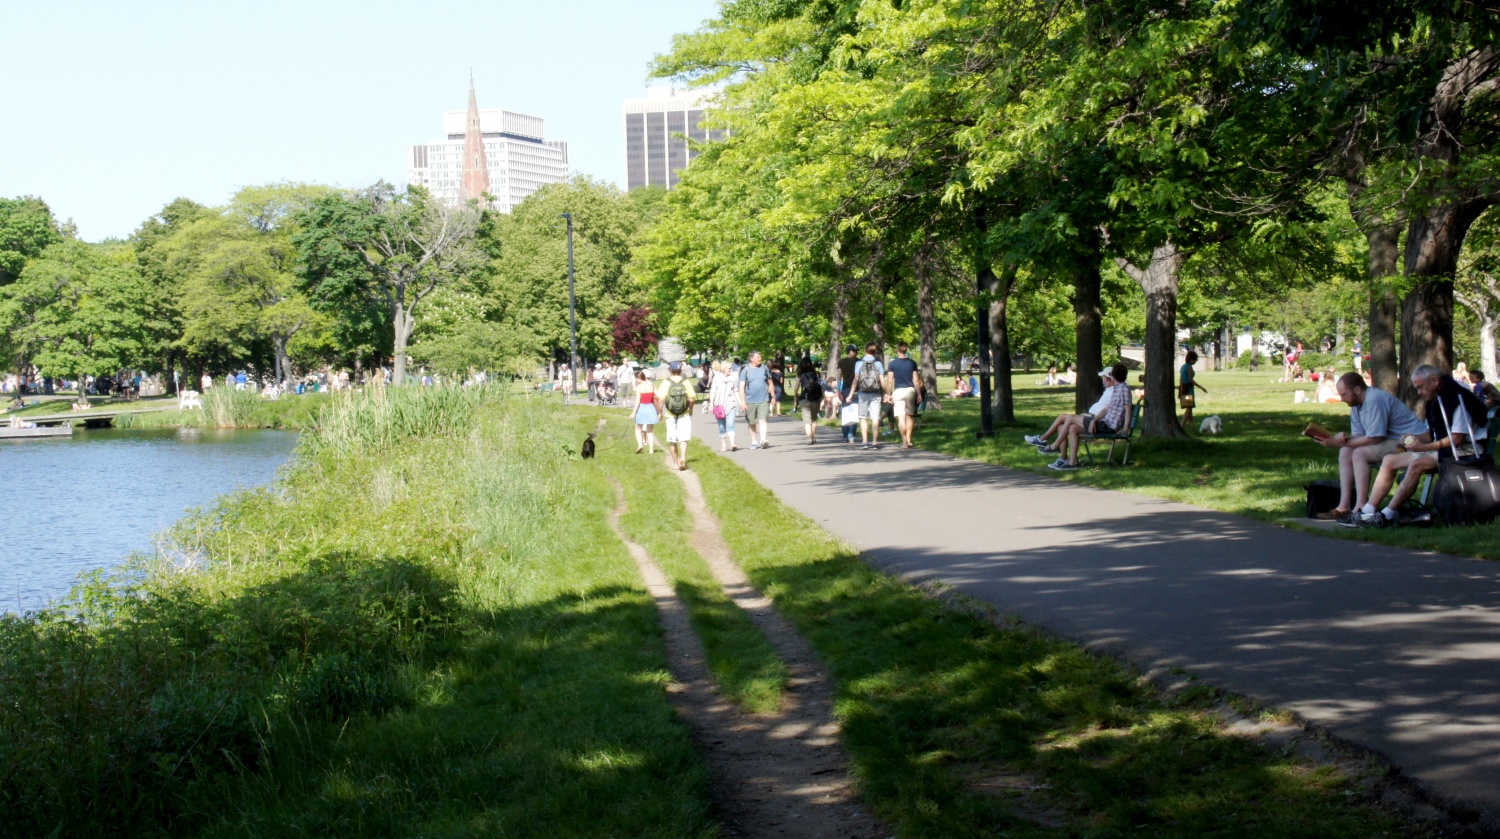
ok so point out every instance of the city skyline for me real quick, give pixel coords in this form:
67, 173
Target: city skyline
182, 100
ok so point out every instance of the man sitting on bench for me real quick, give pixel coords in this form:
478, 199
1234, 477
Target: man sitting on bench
1425, 451
1059, 426
1107, 416
1377, 422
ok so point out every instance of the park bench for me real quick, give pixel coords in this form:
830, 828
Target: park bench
1123, 436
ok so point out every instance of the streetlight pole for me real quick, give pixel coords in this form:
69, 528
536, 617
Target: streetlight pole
572, 317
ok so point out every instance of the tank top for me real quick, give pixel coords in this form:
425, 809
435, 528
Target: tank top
648, 397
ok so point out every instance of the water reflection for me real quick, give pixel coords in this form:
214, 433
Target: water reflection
73, 505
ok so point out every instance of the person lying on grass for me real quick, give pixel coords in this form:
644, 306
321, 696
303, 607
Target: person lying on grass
1377, 422
1058, 430
1424, 452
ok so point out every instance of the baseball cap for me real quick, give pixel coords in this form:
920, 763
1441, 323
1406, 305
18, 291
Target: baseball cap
674, 366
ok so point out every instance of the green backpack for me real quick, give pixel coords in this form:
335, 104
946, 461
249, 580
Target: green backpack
677, 402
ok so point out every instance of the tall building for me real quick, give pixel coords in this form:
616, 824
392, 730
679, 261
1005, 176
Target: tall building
657, 129
495, 151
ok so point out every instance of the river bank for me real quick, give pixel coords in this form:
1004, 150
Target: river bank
428, 627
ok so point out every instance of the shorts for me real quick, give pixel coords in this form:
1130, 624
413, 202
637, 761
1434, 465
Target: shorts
1103, 428
869, 405
679, 429
757, 412
810, 411
905, 399
1379, 450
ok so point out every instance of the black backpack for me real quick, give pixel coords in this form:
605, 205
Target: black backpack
677, 402
811, 386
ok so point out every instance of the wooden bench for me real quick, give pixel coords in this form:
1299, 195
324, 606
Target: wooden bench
1123, 436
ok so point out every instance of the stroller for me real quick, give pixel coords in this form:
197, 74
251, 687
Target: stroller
604, 392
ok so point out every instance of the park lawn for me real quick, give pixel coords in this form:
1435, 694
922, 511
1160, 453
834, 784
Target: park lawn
1258, 467
743, 663
958, 726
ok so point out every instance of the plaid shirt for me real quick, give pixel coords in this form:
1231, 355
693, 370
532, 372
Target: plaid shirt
1117, 413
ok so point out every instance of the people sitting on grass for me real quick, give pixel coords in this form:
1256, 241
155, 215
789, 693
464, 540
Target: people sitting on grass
1377, 422
1328, 391
1109, 415
961, 388
1445, 398
1484, 390
1051, 378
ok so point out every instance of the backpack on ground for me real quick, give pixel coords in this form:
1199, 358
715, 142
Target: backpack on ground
869, 378
677, 402
811, 387
1322, 496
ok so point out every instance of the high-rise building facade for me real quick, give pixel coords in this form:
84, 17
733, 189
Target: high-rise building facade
657, 130
501, 152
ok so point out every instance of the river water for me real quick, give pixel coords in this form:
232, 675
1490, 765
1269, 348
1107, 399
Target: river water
74, 505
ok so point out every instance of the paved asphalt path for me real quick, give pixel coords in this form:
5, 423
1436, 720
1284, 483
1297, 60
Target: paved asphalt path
1396, 650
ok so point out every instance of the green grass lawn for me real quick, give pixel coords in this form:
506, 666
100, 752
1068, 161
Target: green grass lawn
1257, 467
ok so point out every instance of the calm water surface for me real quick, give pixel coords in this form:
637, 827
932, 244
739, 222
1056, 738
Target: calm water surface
74, 505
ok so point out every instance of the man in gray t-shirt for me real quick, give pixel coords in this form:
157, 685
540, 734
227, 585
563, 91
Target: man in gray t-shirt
755, 399
1377, 422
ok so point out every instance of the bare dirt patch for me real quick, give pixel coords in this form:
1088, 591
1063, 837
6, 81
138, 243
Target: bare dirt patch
775, 775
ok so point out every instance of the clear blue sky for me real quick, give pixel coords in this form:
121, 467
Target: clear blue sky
109, 110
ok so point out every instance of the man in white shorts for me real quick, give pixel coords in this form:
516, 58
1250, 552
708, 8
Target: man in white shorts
675, 395
1462, 431
905, 385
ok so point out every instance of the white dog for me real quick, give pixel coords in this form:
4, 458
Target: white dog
1211, 425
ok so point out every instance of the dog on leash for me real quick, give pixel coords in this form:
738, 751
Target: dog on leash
1211, 425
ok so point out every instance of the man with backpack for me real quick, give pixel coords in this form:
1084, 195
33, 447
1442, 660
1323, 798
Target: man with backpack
755, 400
869, 387
905, 386
810, 397
676, 397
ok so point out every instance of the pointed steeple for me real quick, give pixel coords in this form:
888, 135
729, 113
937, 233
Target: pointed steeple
475, 180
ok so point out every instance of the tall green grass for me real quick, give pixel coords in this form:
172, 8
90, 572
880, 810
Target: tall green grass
420, 635
378, 417
229, 408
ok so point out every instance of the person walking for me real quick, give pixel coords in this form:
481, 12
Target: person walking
869, 388
809, 398
646, 415
846, 372
778, 388
724, 402
1185, 386
676, 396
905, 386
755, 399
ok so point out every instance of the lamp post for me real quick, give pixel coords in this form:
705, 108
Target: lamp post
572, 317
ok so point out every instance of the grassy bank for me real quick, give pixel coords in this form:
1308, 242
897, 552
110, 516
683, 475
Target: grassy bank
959, 728
1257, 467
226, 408
411, 635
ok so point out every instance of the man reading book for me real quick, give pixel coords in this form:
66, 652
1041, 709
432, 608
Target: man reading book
1377, 422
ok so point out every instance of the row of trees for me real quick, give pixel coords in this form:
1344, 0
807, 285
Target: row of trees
290, 277
1199, 161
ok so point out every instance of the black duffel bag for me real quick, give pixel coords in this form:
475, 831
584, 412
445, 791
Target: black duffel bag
1466, 490
1322, 496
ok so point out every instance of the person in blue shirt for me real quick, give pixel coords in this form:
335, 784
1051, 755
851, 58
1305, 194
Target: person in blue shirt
755, 400
1185, 386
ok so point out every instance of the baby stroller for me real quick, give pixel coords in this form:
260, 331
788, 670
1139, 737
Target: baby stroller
604, 392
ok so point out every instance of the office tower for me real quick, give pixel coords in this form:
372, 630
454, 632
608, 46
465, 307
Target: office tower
655, 131
492, 150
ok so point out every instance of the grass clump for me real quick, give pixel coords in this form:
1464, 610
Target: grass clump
743, 663
229, 408
957, 727
437, 637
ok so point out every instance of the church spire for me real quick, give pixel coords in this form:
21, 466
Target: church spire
476, 169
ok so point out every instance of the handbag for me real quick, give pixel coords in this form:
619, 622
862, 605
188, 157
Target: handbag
719, 412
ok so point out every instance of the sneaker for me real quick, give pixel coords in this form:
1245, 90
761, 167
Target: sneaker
1047, 450
754, 446
1349, 519
1034, 440
1374, 520
765, 445
864, 446
1062, 465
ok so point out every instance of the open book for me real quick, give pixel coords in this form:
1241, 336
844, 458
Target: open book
1316, 432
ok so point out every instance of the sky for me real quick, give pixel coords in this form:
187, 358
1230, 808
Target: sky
110, 110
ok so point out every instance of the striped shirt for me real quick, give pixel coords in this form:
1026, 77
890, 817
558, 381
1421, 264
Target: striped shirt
1117, 413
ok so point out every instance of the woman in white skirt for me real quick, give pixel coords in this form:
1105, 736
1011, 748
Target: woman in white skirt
646, 415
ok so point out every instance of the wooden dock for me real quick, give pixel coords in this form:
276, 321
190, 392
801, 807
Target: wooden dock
88, 419
8, 433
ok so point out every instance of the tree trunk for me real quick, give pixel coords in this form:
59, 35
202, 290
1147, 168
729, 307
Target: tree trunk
877, 316
403, 324
1384, 372
1433, 243
283, 367
1088, 330
1159, 281
926, 322
836, 321
1487, 324
1004, 405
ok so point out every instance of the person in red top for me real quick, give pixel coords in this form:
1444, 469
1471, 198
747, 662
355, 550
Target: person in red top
646, 415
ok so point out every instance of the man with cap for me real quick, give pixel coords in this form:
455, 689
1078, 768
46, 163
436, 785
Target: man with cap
675, 396
1106, 416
